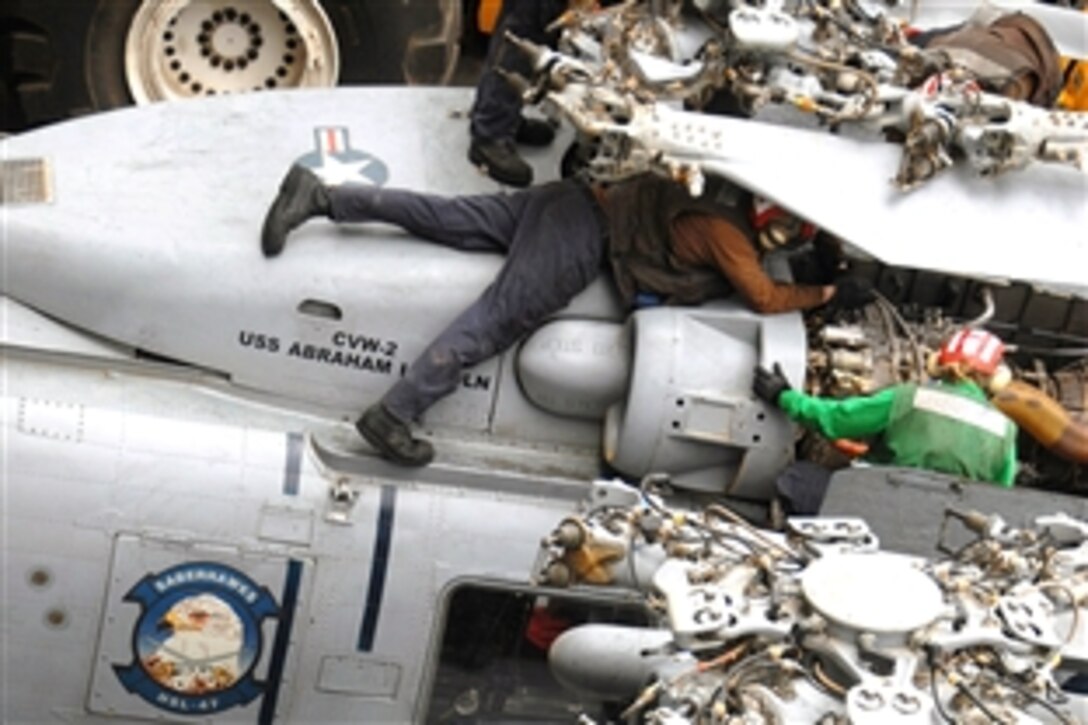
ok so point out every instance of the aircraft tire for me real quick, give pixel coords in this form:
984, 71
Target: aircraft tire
41, 46
104, 53
416, 41
62, 58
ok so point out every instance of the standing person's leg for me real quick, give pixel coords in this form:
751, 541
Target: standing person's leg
557, 251
496, 112
496, 120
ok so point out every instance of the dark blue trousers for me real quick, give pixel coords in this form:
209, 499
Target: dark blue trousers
802, 486
497, 110
554, 240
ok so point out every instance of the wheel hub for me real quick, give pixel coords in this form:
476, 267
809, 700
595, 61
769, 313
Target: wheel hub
235, 40
209, 47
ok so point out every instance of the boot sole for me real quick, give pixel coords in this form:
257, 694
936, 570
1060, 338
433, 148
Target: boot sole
270, 246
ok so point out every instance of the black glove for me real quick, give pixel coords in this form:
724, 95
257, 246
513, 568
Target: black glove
827, 252
769, 385
852, 293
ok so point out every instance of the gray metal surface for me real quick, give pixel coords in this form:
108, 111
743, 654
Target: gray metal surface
101, 463
152, 243
689, 409
244, 455
576, 367
905, 507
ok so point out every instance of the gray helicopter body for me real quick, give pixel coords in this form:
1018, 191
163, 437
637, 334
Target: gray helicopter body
192, 529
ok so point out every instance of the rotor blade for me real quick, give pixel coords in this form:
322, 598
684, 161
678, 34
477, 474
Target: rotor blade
1023, 225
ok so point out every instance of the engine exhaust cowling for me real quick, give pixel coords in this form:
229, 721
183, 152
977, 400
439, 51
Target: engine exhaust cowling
689, 409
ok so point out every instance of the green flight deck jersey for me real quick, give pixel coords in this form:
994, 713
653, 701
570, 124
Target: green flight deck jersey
949, 427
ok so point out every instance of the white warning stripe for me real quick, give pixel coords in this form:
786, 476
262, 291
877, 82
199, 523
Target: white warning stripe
956, 341
962, 409
977, 345
990, 349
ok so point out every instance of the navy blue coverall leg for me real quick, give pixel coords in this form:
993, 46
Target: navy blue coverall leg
554, 240
496, 112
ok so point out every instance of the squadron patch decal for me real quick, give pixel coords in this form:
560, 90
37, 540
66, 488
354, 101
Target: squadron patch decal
198, 638
336, 162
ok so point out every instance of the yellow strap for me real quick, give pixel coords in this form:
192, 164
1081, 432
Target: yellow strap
1074, 95
487, 15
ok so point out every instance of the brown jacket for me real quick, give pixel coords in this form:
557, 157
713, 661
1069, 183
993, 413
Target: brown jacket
1012, 56
690, 249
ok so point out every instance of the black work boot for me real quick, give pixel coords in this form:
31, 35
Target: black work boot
392, 438
534, 132
500, 161
302, 196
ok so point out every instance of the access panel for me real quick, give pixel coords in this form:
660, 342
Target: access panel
195, 630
